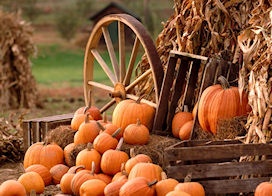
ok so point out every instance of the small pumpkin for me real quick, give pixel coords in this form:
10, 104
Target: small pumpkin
165, 185
138, 186
44, 154
11, 188
128, 111
87, 132
93, 187
32, 181
104, 141
57, 172
113, 188
148, 170
120, 175
104, 177
192, 188
264, 189
87, 156
77, 120
140, 158
65, 183
110, 129
136, 134
185, 130
42, 171
67, 150
177, 193
112, 160
179, 120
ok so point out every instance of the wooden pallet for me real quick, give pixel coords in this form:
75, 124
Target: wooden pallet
215, 164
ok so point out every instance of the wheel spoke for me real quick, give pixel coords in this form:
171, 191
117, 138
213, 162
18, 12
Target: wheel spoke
132, 61
139, 79
122, 52
111, 51
107, 106
101, 86
104, 66
134, 97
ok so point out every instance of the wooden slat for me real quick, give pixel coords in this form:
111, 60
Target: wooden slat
111, 52
220, 169
26, 135
218, 151
139, 79
101, 86
232, 186
107, 106
104, 66
192, 143
35, 127
52, 118
188, 55
122, 51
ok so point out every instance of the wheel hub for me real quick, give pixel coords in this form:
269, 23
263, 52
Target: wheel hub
119, 92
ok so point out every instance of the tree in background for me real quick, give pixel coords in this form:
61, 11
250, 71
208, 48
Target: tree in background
84, 7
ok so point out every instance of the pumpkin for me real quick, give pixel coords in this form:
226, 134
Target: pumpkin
41, 153
104, 120
81, 177
220, 102
120, 175
57, 172
76, 169
42, 171
65, 183
106, 178
185, 130
67, 150
87, 156
113, 188
128, 111
32, 181
136, 134
112, 160
138, 186
77, 120
192, 188
140, 158
194, 111
165, 185
177, 193
110, 129
264, 189
11, 188
179, 120
87, 132
104, 141
93, 187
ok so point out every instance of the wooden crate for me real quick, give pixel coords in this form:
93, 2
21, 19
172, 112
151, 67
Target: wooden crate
215, 164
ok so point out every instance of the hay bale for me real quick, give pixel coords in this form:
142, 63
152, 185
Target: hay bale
73, 154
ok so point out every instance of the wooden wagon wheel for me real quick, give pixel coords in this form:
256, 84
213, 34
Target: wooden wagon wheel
120, 76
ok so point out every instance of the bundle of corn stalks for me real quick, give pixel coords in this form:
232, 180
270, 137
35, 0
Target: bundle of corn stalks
17, 85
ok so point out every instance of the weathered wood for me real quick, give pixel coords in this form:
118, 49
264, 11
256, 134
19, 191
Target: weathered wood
122, 51
52, 118
101, 86
193, 143
26, 135
134, 97
225, 169
107, 106
188, 55
35, 127
139, 79
218, 151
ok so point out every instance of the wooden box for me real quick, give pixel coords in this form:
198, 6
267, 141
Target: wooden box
215, 164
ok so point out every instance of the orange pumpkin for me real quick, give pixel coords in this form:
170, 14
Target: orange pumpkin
139, 186
32, 181
264, 189
192, 188
104, 141
140, 158
87, 156
220, 102
179, 120
42, 171
148, 170
177, 193
128, 111
112, 160
87, 132
185, 130
113, 188
11, 188
57, 172
194, 111
136, 134
110, 129
41, 153
75, 169
93, 187
104, 120
165, 185
67, 150
104, 177
120, 175
77, 120
65, 183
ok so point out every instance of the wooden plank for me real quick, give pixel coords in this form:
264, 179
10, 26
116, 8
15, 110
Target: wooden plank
52, 118
192, 143
217, 151
122, 52
26, 135
208, 80
139, 79
35, 127
232, 186
167, 83
226, 169
188, 55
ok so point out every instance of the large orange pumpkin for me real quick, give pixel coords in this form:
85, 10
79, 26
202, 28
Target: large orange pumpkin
65, 183
179, 120
11, 188
148, 170
57, 172
177, 193
220, 102
32, 181
185, 130
264, 189
41, 153
105, 141
192, 188
42, 171
140, 158
128, 111
93, 187
113, 188
165, 185
136, 134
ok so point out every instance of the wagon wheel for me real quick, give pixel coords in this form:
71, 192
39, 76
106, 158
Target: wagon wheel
119, 74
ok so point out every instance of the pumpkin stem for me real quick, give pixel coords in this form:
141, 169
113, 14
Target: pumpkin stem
186, 109
224, 82
138, 122
86, 109
138, 101
93, 168
116, 132
100, 126
188, 178
87, 118
77, 168
163, 176
89, 146
150, 184
105, 118
120, 144
123, 171
132, 152
32, 192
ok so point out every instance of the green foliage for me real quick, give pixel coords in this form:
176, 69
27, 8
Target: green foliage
84, 7
30, 9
